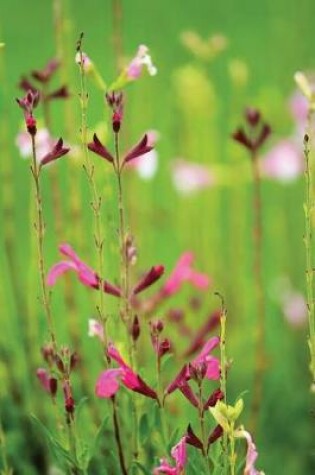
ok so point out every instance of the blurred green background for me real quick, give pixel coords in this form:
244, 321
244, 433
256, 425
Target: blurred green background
194, 105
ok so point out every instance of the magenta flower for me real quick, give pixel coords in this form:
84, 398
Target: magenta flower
251, 455
148, 279
190, 177
204, 365
86, 275
107, 384
57, 151
48, 383
284, 162
142, 59
183, 272
179, 454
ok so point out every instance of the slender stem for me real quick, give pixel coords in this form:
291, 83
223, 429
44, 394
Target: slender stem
118, 438
6, 469
223, 385
308, 210
260, 331
96, 202
203, 432
232, 457
125, 309
40, 231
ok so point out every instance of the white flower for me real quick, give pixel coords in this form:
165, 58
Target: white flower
141, 59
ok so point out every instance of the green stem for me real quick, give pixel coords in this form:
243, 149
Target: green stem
118, 438
204, 438
40, 231
223, 385
260, 350
308, 210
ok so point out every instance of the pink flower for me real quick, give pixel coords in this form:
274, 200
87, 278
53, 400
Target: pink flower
86, 61
43, 143
183, 272
299, 108
179, 454
284, 162
251, 454
204, 364
96, 329
48, 383
108, 382
86, 275
190, 177
141, 59
295, 308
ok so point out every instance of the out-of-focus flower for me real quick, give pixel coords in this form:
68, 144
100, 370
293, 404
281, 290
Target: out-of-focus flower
45, 74
83, 58
299, 107
28, 103
190, 177
292, 302
305, 83
184, 272
179, 455
43, 143
142, 59
251, 454
258, 132
206, 49
85, 274
96, 329
48, 383
284, 162
108, 382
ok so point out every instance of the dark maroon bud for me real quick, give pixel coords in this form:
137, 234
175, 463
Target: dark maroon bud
116, 121
157, 326
69, 401
45, 74
264, 134
143, 388
97, 147
111, 289
152, 276
175, 314
240, 137
140, 149
252, 116
164, 347
189, 394
74, 361
31, 125
53, 386
215, 434
214, 397
61, 93
48, 353
192, 439
26, 85
135, 330
58, 151
59, 364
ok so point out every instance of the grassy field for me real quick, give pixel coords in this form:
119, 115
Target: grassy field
194, 104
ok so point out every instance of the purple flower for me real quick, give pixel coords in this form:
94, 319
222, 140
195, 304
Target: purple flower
86, 275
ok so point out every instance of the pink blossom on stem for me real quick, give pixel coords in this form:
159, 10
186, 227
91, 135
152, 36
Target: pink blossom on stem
183, 272
96, 329
251, 454
284, 162
108, 382
190, 177
149, 278
142, 59
43, 143
86, 275
179, 455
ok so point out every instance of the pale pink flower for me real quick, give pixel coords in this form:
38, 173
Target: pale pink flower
183, 272
96, 329
108, 382
179, 455
251, 455
299, 108
141, 59
189, 177
86, 61
43, 143
284, 162
295, 308
85, 274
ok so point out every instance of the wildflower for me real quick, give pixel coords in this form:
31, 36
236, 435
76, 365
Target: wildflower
183, 272
86, 275
295, 308
190, 177
146, 165
44, 75
58, 151
49, 384
251, 454
28, 103
43, 143
115, 102
141, 59
97, 147
284, 162
148, 279
179, 455
108, 382
141, 148
258, 133
96, 329
83, 58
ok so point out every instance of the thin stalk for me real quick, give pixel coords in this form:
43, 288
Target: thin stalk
118, 438
223, 385
308, 210
165, 435
96, 199
6, 470
125, 309
232, 455
258, 276
40, 231
204, 438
